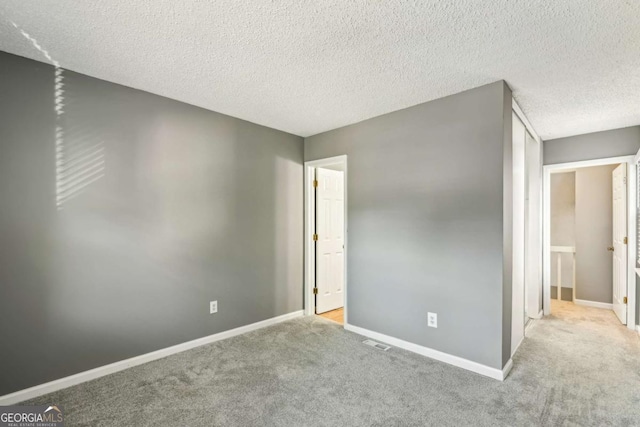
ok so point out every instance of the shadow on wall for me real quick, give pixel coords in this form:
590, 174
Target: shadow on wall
126, 213
79, 158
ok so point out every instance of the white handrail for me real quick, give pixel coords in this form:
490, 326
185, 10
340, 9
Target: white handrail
564, 250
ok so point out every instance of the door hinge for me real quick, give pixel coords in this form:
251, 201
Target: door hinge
315, 237
624, 300
315, 291
315, 183
625, 240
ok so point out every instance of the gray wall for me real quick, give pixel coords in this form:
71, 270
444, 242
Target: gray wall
194, 206
598, 145
563, 224
611, 143
425, 219
594, 264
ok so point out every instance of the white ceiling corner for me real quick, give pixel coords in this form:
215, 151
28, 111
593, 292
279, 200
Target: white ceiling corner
306, 67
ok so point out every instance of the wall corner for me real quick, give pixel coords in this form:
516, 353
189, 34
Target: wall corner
507, 221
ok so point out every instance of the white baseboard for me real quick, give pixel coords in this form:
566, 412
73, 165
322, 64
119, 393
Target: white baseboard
519, 344
638, 329
59, 384
537, 316
594, 304
530, 324
507, 369
469, 365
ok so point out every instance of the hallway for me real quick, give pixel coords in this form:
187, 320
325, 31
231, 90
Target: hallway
570, 312
583, 365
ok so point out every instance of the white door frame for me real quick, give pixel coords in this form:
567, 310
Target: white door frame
309, 229
533, 230
631, 227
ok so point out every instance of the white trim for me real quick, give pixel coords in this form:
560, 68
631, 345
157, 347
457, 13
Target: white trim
524, 334
516, 108
530, 325
546, 241
505, 371
534, 231
537, 301
309, 247
594, 304
59, 384
309, 229
519, 232
469, 365
540, 315
631, 227
638, 329
632, 232
559, 250
564, 249
572, 166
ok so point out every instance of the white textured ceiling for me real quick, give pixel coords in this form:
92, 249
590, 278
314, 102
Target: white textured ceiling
310, 66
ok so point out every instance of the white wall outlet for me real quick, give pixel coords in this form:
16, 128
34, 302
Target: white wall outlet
213, 307
432, 320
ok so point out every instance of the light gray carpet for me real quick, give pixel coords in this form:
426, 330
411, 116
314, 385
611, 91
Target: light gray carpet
579, 367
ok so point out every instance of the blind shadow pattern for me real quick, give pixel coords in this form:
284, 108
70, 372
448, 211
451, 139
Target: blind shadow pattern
79, 161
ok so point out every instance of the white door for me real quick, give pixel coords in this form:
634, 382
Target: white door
533, 240
620, 242
330, 240
518, 243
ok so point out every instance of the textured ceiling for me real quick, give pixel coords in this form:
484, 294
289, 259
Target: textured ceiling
310, 66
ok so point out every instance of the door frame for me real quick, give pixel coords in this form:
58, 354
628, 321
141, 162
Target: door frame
533, 225
309, 230
631, 227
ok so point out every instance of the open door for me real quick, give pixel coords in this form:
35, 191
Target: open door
620, 242
329, 240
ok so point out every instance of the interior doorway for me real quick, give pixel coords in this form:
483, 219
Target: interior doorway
326, 238
589, 236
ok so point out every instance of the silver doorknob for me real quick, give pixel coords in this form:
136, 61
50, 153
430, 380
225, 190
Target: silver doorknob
610, 248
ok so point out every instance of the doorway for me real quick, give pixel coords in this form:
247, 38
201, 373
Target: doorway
589, 236
326, 238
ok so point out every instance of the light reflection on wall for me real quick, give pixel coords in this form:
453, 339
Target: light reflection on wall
78, 163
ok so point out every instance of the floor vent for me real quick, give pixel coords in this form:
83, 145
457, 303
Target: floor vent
376, 345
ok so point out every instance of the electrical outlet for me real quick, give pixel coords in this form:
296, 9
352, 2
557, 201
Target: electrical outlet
213, 307
432, 320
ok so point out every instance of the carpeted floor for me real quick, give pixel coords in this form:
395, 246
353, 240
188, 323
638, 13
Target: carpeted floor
577, 367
